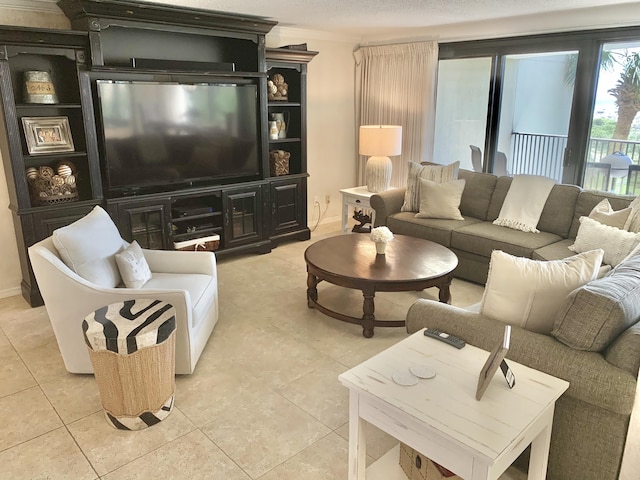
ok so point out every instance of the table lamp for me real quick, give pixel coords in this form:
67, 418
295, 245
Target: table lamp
379, 142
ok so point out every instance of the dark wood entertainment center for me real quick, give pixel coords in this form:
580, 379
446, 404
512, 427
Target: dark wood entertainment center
123, 41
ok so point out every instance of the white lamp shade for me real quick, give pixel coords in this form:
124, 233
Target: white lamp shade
380, 140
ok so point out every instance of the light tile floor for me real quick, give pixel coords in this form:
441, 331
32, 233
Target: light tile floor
264, 402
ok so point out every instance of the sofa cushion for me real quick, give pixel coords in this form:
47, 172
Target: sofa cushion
434, 229
440, 200
435, 173
477, 193
497, 198
616, 243
88, 247
554, 251
527, 293
484, 237
587, 200
557, 214
592, 316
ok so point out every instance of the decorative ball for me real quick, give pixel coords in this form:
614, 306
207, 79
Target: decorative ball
46, 172
70, 180
43, 194
57, 180
283, 91
64, 170
32, 173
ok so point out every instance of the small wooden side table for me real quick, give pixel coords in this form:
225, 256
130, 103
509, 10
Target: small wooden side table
358, 198
440, 417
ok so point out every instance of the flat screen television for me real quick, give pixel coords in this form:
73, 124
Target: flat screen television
166, 134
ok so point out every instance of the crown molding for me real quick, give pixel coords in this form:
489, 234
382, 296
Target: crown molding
44, 6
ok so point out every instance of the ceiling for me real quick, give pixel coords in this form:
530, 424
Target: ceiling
366, 17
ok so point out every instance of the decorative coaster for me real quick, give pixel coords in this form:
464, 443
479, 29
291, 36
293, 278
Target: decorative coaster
422, 371
404, 378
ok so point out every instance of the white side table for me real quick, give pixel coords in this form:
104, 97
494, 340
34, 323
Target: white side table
440, 417
358, 198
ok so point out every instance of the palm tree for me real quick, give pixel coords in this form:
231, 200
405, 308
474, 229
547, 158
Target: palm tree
627, 94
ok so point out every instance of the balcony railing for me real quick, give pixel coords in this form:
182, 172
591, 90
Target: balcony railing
537, 154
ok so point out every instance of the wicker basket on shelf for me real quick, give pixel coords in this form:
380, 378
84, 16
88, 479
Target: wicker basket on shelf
279, 162
52, 187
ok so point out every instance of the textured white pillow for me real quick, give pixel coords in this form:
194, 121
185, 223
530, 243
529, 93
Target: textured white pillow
133, 267
616, 243
435, 173
528, 293
440, 200
633, 222
88, 247
606, 215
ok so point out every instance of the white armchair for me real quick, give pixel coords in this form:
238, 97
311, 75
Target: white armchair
187, 280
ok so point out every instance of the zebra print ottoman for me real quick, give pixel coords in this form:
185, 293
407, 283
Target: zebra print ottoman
132, 349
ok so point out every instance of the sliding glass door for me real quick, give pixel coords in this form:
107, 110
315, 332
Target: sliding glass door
461, 113
553, 105
537, 94
614, 139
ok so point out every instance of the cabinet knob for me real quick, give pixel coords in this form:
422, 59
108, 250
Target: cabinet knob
358, 201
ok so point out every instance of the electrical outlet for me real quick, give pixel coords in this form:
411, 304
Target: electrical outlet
327, 199
316, 199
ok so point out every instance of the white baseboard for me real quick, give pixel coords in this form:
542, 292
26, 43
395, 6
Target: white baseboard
10, 292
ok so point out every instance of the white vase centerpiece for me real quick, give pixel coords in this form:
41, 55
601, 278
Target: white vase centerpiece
381, 236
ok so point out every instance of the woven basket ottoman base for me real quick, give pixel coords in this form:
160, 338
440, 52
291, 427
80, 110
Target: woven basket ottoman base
418, 467
132, 350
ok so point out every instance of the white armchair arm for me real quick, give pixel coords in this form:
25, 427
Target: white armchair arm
167, 261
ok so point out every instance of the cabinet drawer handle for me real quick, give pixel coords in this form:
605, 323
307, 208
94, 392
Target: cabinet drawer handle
358, 201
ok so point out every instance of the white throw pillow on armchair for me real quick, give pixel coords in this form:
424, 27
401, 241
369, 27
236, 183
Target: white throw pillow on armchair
527, 293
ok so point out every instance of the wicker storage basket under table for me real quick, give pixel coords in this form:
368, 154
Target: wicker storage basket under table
210, 244
418, 467
132, 349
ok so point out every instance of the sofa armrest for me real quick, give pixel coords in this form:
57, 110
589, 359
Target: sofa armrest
387, 203
592, 379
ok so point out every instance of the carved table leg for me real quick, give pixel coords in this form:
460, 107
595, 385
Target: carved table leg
312, 290
368, 318
445, 294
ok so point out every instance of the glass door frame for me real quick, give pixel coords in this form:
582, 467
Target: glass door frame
587, 43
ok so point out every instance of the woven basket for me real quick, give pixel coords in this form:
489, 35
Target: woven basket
418, 467
57, 199
279, 163
207, 244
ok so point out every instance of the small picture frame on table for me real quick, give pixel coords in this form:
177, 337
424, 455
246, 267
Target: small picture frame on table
47, 135
493, 362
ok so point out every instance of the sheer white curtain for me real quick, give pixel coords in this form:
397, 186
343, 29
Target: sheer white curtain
396, 85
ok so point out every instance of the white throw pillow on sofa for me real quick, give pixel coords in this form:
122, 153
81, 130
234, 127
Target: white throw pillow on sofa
435, 173
527, 293
88, 247
606, 215
440, 200
133, 267
616, 243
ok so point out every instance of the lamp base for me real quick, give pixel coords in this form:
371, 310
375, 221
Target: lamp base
377, 174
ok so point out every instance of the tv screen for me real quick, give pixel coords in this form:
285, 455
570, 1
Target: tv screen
163, 133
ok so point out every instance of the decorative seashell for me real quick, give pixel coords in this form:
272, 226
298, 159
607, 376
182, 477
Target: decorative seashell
64, 170
57, 180
32, 173
283, 91
70, 180
46, 172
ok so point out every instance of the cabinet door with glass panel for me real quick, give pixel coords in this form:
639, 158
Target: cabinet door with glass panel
243, 215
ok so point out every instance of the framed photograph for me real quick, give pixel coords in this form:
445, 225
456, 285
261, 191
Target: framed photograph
47, 134
493, 362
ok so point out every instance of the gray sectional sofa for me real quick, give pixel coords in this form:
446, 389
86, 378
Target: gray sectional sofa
474, 238
592, 418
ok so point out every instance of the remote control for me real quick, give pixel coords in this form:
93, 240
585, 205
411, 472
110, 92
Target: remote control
444, 337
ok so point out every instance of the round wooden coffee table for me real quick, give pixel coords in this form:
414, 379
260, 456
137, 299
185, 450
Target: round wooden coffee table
410, 264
